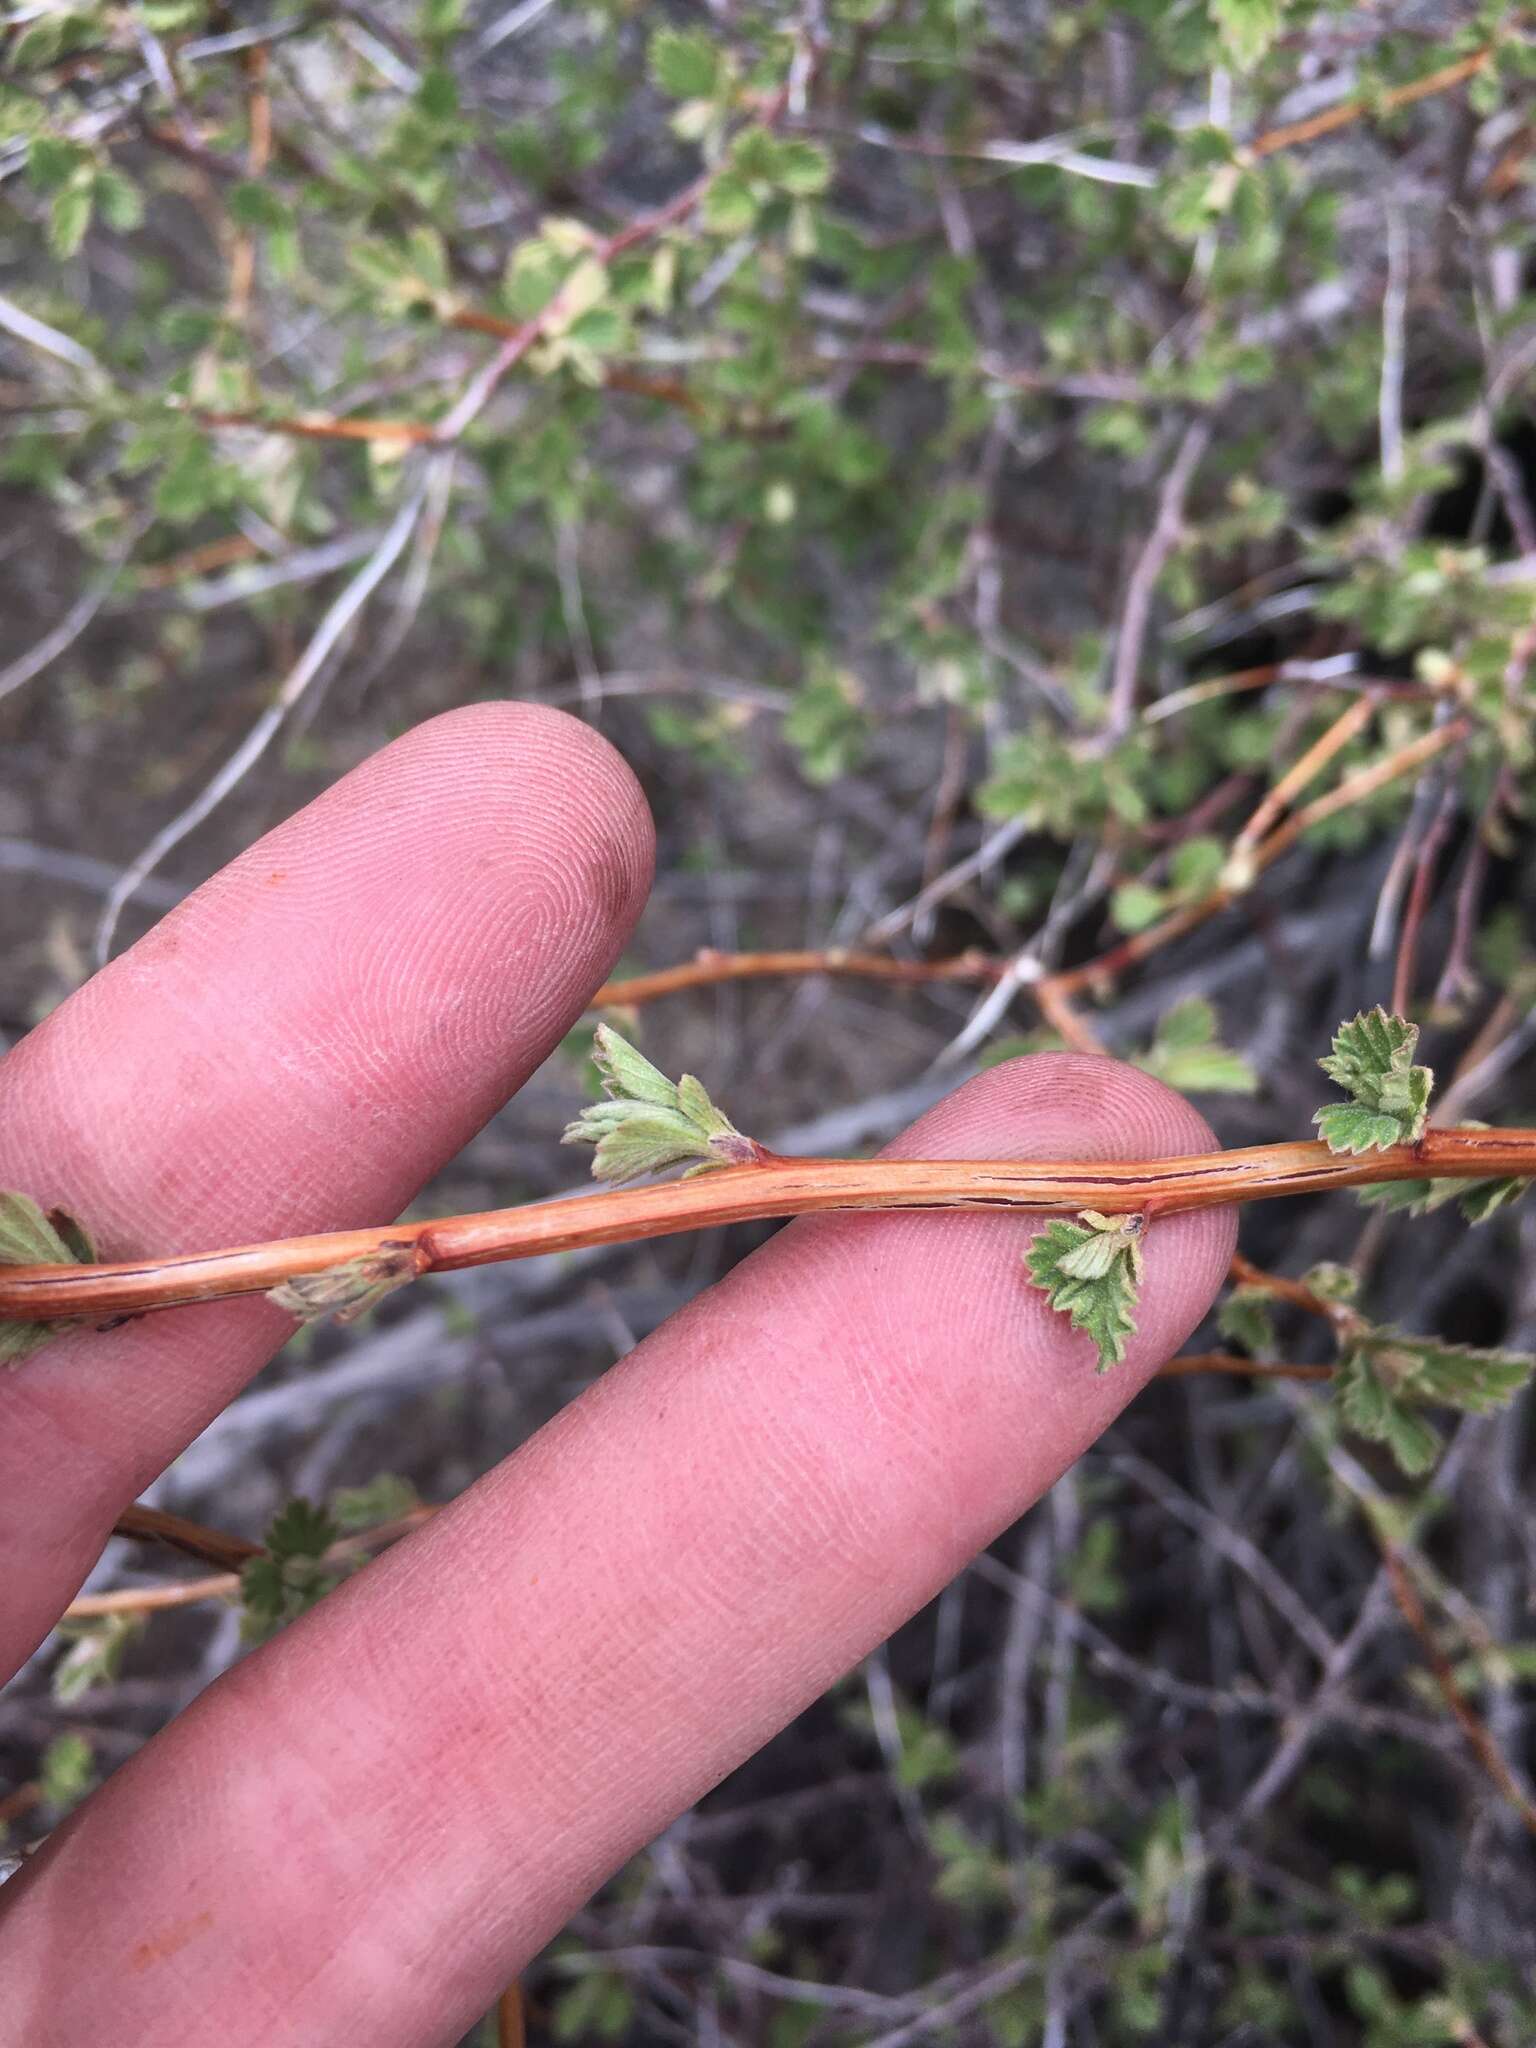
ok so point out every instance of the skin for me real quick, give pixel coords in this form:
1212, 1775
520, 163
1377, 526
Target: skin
365, 1829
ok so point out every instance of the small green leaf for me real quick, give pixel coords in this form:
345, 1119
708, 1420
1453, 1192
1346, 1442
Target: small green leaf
730, 205
1247, 1317
1134, 906
52, 161
300, 1529
1332, 1281
119, 201
1351, 1127
1187, 1024
650, 1123
1415, 1197
1372, 1061
383, 1499
66, 1773
1185, 1053
1373, 1408
1463, 1376
626, 1073
1385, 1378
684, 65
290, 1575
1248, 27
1481, 1199
70, 216
803, 168
1090, 1270
94, 1656
1413, 1442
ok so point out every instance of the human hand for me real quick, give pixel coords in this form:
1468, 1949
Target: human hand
364, 1829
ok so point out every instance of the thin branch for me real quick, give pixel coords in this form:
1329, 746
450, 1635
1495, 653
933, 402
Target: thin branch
1479, 1736
992, 848
1167, 528
1244, 1273
512, 23
774, 1187
1347, 726
39, 335
1426, 860
325, 427
1354, 789
1349, 111
192, 1539
511, 2031
337, 619
413, 586
1053, 152
1394, 336
708, 968
145, 1523
481, 388
74, 621
1193, 1364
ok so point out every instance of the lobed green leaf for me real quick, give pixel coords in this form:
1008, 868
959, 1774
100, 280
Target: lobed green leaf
1090, 1271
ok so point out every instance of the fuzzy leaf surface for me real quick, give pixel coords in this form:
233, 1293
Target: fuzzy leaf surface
1372, 1061
1090, 1271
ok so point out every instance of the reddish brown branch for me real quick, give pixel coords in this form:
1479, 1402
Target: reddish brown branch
708, 967
773, 1188
1244, 1273
1196, 1362
1349, 111
324, 427
208, 1546
1479, 1736
510, 2029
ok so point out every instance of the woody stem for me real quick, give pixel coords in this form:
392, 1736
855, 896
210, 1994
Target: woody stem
774, 1187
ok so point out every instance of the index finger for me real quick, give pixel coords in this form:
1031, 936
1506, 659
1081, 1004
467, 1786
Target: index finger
561, 1662
297, 1047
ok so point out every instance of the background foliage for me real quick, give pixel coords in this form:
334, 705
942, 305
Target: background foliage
964, 454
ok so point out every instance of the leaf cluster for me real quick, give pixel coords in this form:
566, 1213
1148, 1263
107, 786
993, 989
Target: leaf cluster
1386, 1378
1090, 1270
291, 1573
1372, 1061
648, 1123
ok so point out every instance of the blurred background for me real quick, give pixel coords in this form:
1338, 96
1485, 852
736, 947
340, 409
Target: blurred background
1052, 489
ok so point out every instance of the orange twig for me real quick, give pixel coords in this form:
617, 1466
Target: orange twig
223, 1585
21, 1801
213, 554
1480, 1739
1349, 111
208, 1546
1351, 721
707, 967
1354, 789
773, 1187
1244, 1273
510, 2030
242, 260
1056, 1008
323, 427
1195, 1362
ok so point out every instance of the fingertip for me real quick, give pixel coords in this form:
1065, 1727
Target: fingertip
501, 759
1096, 1107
